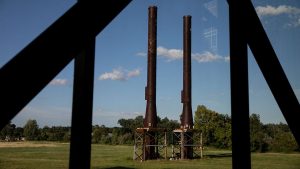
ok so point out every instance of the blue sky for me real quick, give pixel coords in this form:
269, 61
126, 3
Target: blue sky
121, 69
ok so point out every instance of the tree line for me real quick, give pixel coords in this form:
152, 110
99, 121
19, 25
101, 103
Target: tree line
216, 131
214, 127
31, 132
100, 133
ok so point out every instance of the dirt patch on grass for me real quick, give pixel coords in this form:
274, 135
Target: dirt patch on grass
28, 144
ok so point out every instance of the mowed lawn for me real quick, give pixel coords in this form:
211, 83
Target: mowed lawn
37, 155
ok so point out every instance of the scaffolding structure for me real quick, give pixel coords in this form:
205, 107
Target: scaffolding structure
186, 139
150, 138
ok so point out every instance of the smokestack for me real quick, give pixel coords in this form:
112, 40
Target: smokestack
186, 93
150, 120
150, 91
186, 99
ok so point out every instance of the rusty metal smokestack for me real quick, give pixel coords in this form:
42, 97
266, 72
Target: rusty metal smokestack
186, 99
150, 120
186, 94
150, 91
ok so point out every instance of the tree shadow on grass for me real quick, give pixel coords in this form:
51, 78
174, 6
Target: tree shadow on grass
118, 167
218, 155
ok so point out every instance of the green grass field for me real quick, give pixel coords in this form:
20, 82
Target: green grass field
36, 155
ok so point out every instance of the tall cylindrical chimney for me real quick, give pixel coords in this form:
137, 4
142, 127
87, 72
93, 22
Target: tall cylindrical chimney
186, 95
150, 91
150, 120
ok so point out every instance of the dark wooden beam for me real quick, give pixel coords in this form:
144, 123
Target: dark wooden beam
82, 110
23, 77
272, 70
241, 157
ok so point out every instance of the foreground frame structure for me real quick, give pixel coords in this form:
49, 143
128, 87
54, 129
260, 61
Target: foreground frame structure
65, 40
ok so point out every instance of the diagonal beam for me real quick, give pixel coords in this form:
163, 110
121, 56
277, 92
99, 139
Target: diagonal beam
271, 68
23, 77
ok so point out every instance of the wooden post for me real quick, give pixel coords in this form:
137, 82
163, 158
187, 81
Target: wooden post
82, 108
241, 157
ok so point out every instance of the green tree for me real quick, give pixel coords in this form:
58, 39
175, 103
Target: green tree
257, 134
115, 134
8, 132
215, 127
131, 124
223, 131
44, 133
18, 133
170, 125
100, 133
280, 138
31, 130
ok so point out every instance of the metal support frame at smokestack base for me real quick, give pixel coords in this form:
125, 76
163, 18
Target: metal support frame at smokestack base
186, 98
159, 138
150, 120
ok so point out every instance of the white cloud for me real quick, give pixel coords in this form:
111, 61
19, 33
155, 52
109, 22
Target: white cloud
273, 11
116, 74
134, 73
293, 13
206, 57
176, 54
59, 82
170, 54
120, 74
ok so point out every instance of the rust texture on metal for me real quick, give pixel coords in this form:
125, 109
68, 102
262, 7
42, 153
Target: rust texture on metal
150, 91
186, 99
